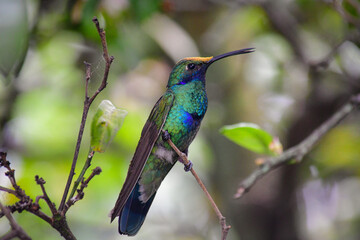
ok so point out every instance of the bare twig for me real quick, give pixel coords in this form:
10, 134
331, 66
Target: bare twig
81, 176
10, 173
58, 220
87, 103
8, 190
76, 154
51, 205
18, 192
16, 230
225, 228
324, 63
87, 78
25, 203
80, 191
299, 151
108, 59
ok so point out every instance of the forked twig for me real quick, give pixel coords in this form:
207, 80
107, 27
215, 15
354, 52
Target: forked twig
50, 204
299, 151
58, 219
80, 192
87, 103
25, 202
82, 173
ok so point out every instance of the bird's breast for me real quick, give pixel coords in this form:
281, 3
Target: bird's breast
185, 116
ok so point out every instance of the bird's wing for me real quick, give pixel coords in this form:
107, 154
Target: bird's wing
149, 135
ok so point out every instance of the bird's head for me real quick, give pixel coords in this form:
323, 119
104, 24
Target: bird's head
194, 68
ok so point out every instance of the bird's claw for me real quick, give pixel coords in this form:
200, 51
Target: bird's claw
165, 135
188, 167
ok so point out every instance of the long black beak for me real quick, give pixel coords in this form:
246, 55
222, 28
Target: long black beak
237, 52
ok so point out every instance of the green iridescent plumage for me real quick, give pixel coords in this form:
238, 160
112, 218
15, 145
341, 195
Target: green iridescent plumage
179, 112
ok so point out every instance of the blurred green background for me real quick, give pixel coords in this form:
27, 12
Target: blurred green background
285, 87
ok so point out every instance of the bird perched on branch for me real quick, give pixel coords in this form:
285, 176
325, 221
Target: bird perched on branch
176, 115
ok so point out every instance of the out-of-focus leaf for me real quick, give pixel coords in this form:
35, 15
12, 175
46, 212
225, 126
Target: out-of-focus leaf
350, 8
143, 9
338, 151
249, 136
14, 37
106, 122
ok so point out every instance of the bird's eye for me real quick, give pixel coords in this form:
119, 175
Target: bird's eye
190, 66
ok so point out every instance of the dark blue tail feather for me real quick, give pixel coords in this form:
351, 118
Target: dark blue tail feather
134, 212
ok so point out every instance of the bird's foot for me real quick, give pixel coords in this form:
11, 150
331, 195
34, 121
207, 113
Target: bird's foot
165, 135
188, 166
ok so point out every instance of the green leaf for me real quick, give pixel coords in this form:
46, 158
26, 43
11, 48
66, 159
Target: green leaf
250, 136
107, 121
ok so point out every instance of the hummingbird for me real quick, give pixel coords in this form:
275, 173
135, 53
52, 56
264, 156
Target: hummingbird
177, 115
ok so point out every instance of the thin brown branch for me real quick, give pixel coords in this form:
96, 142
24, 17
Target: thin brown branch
87, 103
18, 192
299, 151
50, 204
16, 230
58, 220
82, 173
108, 59
225, 228
11, 172
8, 190
10, 235
80, 191
76, 154
87, 78
35, 210
25, 203
324, 63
